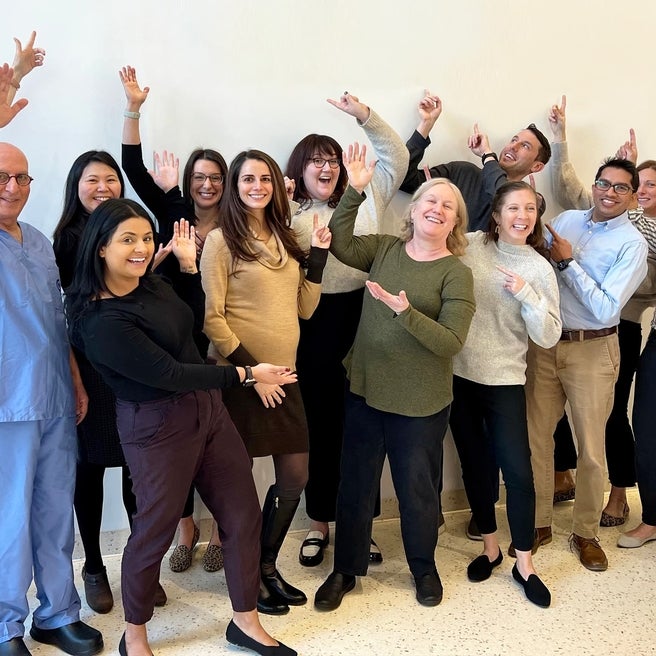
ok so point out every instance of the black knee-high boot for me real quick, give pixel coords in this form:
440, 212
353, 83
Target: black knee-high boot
276, 595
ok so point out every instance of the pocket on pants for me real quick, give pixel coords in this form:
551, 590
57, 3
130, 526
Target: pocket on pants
139, 423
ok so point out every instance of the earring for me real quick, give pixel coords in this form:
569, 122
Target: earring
496, 229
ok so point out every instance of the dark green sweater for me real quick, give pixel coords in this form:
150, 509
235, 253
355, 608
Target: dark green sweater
402, 364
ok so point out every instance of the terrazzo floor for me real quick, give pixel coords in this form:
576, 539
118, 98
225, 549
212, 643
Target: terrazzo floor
612, 612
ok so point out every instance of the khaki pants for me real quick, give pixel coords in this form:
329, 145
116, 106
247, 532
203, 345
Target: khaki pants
583, 373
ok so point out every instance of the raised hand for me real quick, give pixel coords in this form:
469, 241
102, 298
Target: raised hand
321, 235
629, 149
512, 282
166, 170
359, 174
290, 188
351, 105
429, 107
7, 110
478, 142
136, 96
184, 245
27, 58
557, 120
161, 254
397, 303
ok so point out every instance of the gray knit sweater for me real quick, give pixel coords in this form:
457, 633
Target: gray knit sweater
495, 350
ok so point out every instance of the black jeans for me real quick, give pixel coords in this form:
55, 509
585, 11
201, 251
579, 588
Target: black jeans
413, 446
644, 402
489, 429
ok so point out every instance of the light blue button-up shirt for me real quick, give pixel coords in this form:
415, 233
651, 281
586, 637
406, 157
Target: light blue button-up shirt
35, 374
610, 262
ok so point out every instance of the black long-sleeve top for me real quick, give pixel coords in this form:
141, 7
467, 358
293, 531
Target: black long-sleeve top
477, 185
141, 342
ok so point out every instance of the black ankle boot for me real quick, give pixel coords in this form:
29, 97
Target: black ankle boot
277, 515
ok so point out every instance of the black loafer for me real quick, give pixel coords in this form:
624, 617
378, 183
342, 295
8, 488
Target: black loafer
375, 555
534, 589
480, 569
331, 592
14, 647
429, 589
311, 542
77, 639
235, 636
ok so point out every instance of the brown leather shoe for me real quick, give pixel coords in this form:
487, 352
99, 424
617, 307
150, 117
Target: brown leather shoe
590, 553
542, 536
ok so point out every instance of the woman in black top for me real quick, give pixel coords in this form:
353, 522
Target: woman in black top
93, 178
173, 426
198, 202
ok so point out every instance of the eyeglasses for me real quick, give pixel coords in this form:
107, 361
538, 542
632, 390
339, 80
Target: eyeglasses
319, 162
215, 178
22, 179
620, 188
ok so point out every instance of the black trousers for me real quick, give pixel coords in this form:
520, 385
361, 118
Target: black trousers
489, 428
413, 446
644, 403
325, 340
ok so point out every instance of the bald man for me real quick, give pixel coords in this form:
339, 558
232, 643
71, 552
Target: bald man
41, 396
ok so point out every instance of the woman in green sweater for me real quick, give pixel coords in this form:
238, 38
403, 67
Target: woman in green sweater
415, 318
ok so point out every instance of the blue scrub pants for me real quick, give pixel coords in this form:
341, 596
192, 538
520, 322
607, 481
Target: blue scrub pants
37, 480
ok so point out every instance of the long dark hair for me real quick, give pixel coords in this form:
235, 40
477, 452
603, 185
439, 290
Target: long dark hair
73, 210
201, 153
536, 239
89, 277
234, 214
307, 148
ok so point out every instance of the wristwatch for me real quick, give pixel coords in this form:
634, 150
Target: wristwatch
249, 381
485, 156
563, 264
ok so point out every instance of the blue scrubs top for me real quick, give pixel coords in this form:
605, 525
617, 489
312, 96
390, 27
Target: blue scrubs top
35, 375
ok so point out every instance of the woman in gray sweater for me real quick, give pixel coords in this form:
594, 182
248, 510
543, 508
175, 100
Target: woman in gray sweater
516, 299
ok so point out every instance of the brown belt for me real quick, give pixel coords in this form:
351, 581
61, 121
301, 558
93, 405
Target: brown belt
582, 335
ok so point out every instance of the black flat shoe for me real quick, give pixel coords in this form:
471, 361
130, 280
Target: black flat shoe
535, 591
270, 603
160, 596
14, 647
312, 542
122, 649
77, 638
235, 636
331, 592
276, 585
480, 569
429, 589
375, 555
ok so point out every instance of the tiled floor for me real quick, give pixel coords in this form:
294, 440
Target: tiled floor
613, 612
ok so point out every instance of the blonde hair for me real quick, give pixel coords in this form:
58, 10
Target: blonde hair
456, 241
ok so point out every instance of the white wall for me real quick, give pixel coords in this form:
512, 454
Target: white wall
230, 75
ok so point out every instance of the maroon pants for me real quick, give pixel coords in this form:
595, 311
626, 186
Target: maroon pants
168, 444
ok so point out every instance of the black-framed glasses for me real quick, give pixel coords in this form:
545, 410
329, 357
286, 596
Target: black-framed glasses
215, 178
22, 179
319, 162
620, 188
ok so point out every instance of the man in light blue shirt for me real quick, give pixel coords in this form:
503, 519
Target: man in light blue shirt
41, 395
600, 259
